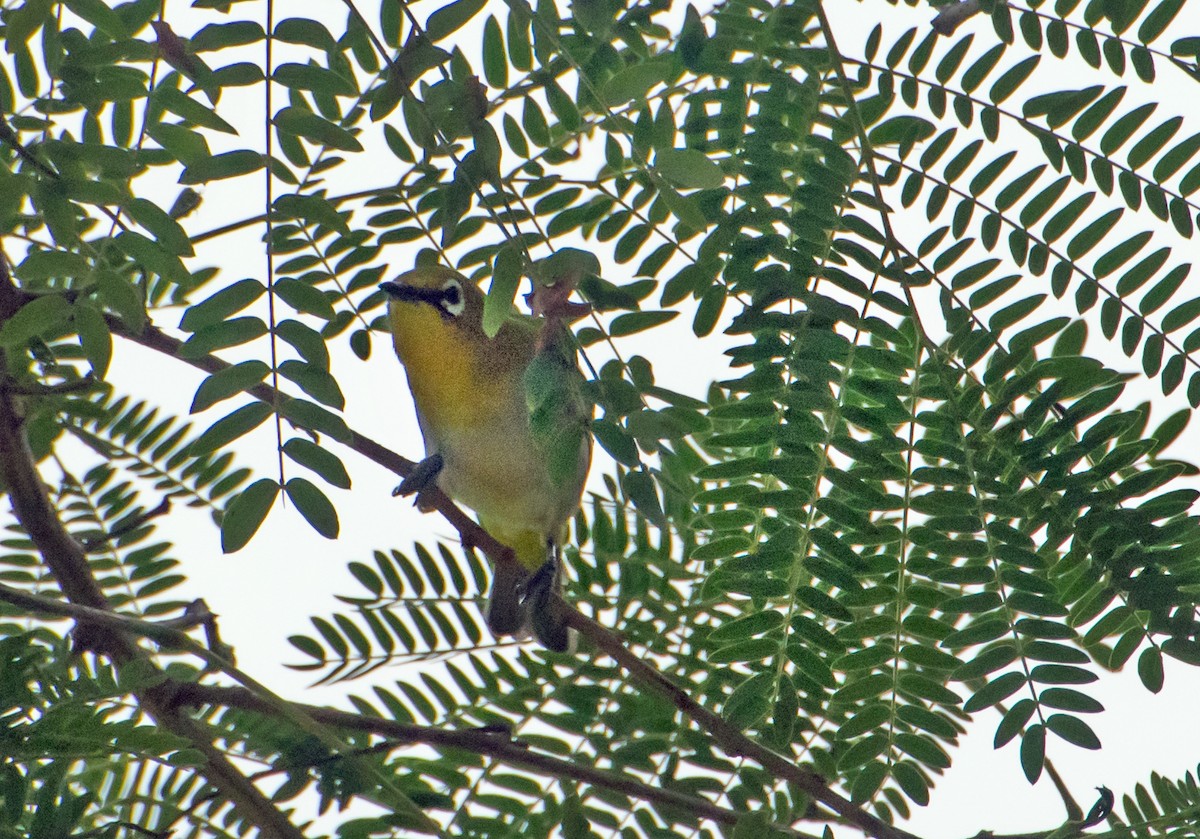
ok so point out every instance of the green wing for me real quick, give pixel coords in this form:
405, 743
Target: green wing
559, 412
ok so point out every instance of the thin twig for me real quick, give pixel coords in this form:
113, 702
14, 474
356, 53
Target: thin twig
38, 389
164, 507
1074, 811
159, 633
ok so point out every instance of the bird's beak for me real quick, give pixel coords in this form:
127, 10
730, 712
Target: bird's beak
411, 294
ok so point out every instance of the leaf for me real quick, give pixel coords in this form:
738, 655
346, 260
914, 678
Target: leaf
1061, 674
184, 106
615, 440
712, 303
1155, 23
148, 254
231, 164
304, 298
100, 15
228, 382
317, 79
757, 623
312, 416
229, 428
304, 123
155, 220
246, 513
315, 381
228, 301
865, 750
902, 131
1033, 751
316, 508
506, 279
218, 36
228, 333
495, 61
1150, 669
306, 341
634, 322
1013, 721
1073, 730
39, 316
868, 781
995, 691
94, 337
451, 17
689, 168
319, 459
640, 488
632, 83
1067, 699
749, 704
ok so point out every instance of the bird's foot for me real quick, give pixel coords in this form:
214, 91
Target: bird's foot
545, 608
543, 583
421, 478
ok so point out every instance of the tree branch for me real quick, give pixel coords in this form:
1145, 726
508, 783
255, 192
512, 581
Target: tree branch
730, 738
164, 507
165, 634
488, 743
473, 535
68, 563
1074, 811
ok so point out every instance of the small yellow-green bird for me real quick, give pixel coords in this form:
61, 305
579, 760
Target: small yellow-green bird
506, 428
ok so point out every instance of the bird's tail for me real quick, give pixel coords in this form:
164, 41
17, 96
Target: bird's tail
522, 602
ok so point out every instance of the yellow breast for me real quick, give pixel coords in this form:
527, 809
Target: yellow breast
439, 363
470, 402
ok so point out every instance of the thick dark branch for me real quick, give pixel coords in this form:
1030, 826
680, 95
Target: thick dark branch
488, 743
68, 563
32, 506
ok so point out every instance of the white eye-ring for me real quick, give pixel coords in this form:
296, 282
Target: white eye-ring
453, 302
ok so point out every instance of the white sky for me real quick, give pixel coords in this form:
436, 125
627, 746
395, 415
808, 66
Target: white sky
266, 592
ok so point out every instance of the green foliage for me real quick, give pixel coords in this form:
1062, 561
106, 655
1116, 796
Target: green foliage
922, 488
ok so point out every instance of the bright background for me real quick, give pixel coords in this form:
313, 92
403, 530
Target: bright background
266, 592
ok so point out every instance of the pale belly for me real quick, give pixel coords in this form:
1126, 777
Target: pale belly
503, 477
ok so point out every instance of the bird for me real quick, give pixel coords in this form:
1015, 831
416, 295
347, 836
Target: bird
506, 428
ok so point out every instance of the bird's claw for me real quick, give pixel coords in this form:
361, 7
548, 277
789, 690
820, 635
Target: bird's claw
421, 478
545, 610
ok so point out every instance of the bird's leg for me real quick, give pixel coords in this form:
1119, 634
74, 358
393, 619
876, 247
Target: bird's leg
422, 477
542, 583
545, 610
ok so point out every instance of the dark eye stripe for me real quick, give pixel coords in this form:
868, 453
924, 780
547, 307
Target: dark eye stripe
439, 298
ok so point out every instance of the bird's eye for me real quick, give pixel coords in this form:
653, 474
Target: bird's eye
453, 303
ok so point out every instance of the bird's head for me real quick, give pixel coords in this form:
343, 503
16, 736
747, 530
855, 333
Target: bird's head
436, 288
